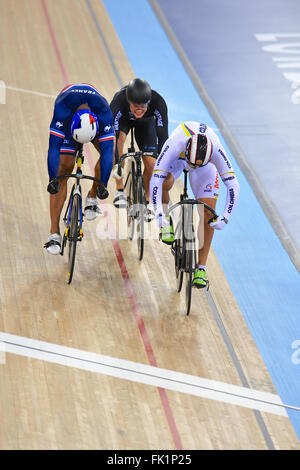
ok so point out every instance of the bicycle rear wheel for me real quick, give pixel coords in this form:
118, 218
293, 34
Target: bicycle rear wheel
189, 270
141, 206
180, 251
73, 232
189, 255
65, 237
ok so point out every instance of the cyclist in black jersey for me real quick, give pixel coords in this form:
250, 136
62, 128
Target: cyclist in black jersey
137, 106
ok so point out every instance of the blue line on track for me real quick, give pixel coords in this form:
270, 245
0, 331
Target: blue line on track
262, 278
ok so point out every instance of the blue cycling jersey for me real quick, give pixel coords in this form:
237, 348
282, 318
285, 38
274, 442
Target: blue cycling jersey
61, 141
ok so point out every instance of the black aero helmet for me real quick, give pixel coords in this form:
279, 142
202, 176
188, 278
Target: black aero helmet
198, 150
138, 91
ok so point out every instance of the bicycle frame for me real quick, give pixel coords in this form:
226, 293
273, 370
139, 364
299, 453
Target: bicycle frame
184, 246
135, 157
186, 201
76, 195
136, 198
76, 189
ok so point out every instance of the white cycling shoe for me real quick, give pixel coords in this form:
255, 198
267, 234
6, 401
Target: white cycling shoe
53, 245
92, 209
120, 200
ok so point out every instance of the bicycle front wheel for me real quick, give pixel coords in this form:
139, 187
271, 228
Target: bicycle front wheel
131, 198
73, 232
141, 207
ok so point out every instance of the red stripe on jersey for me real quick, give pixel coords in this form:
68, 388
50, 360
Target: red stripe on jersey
101, 139
57, 134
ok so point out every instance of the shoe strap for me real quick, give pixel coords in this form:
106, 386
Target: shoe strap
92, 208
51, 243
119, 197
167, 230
200, 274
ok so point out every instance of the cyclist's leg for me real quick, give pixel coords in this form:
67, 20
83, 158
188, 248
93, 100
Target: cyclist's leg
92, 209
93, 190
166, 188
66, 165
149, 163
146, 138
167, 232
57, 201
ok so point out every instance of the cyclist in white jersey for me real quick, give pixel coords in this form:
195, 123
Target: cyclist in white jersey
196, 147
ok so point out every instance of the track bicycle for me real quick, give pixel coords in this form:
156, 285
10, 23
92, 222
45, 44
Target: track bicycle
184, 247
135, 195
73, 218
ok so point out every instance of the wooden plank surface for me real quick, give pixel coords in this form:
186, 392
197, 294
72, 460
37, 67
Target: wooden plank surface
116, 305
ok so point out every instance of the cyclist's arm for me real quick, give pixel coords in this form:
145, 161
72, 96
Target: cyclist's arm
56, 139
228, 176
122, 127
61, 115
106, 146
106, 160
156, 182
121, 124
168, 155
161, 118
120, 138
105, 139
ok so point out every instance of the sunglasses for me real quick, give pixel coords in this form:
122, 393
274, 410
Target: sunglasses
137, 105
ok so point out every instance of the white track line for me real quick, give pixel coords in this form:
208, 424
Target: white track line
38, 93
141, 373
22, 90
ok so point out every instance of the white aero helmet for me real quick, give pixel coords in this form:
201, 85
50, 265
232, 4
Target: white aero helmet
84, 126
198, 150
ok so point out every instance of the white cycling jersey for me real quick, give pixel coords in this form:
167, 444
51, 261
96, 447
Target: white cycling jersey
172, 160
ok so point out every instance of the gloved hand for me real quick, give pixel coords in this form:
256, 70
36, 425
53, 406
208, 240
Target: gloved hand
115, 172
53, 187
102, 192
219, 223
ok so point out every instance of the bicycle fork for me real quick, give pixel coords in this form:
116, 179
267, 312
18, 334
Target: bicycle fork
76, 193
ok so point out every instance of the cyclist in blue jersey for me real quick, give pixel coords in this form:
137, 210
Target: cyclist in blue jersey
81, 115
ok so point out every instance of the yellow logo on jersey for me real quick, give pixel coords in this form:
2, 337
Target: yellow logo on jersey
187, 130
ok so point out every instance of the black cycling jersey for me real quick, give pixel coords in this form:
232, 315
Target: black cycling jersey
151, 131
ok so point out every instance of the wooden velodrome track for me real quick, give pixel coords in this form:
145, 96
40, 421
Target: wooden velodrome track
116, 307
